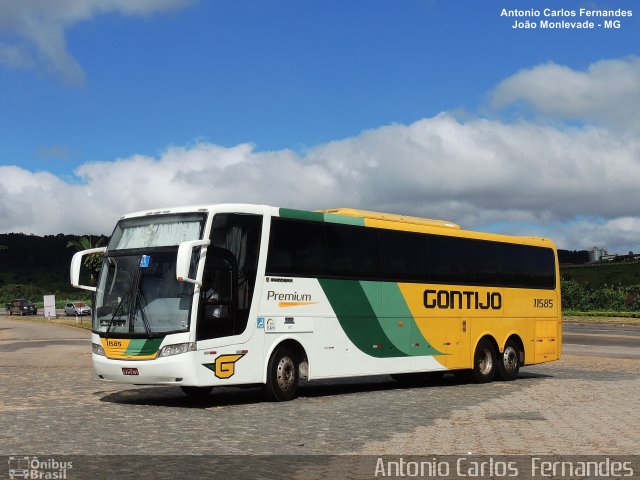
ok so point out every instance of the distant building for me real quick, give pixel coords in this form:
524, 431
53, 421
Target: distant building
597, 254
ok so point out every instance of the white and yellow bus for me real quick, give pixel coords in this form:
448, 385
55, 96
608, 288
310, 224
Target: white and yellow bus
249, 294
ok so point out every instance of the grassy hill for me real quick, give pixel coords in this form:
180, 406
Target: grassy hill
32, 266
601, 274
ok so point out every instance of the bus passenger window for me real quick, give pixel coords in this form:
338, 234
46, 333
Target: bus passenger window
296, 248
352, 252
404, 256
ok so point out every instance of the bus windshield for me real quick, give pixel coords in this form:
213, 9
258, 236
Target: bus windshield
138, 293
156, 231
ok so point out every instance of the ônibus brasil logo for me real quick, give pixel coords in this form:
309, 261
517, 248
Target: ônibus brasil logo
35, 468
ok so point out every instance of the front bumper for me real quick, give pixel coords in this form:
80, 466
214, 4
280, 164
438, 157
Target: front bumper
174, 370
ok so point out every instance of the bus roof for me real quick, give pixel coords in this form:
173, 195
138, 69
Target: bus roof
390, 217
355, 216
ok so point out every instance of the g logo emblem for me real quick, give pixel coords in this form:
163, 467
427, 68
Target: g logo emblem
225, 365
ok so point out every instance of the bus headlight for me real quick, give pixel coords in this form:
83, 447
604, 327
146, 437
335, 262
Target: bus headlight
178, 348
97, 349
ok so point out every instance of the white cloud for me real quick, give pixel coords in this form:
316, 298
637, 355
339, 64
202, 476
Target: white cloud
476, 173
39, 26
619, 235
607, 92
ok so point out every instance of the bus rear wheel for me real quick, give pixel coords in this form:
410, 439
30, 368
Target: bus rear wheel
484, 362
282, 376
509, 361
197, 393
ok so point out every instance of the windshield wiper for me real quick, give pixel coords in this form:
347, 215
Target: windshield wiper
140, 299
117, 313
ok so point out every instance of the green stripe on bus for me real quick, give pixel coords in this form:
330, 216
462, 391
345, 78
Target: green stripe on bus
396, 327
376, 318
134, 347
301, 214
321, 217
151, 346
332, 218
355, 314
373, 292
141, 347
395, 306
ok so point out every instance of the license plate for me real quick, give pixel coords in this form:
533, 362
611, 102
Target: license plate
130, 371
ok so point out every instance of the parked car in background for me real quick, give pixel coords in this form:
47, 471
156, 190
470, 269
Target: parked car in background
21, 306
77, 308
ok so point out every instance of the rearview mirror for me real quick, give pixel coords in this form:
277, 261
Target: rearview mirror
76, 263
183, 262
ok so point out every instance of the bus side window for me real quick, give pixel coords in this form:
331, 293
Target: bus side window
296, 247
352, 252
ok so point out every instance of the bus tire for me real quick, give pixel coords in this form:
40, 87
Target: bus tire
282, 376
509, 361
484, 362
197, 393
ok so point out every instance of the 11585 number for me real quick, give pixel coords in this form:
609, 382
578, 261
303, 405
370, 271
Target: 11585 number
543, 303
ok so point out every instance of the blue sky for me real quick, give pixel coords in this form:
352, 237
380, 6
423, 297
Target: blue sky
119, 82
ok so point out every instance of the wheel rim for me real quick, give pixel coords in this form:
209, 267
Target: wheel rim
510, 359
286, 374
485, 362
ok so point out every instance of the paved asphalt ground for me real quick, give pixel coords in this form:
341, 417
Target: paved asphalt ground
610, 341
586, 403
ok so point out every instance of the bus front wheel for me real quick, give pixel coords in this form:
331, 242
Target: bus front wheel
282, 376
484, 362
509, 361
